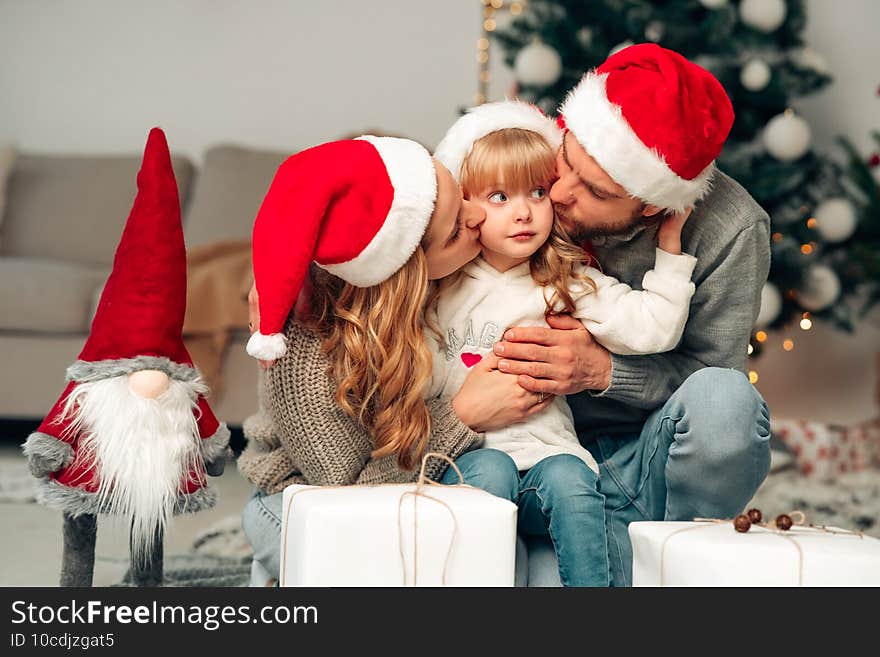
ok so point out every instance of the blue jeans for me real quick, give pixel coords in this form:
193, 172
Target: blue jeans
702, 454
559, 496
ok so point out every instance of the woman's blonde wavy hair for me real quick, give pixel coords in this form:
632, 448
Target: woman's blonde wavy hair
523, 160
379, 359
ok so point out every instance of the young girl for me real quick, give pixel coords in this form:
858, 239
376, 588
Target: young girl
504, 156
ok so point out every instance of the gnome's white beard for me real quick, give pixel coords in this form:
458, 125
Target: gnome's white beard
143, 449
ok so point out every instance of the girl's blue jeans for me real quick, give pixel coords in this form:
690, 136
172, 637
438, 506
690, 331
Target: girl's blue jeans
558, 496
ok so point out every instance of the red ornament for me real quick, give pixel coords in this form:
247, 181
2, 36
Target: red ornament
874, 160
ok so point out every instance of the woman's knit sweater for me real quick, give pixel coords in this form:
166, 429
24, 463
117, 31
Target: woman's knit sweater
301, 436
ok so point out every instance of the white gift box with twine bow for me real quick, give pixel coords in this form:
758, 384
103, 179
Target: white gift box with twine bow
420, 534
713, 553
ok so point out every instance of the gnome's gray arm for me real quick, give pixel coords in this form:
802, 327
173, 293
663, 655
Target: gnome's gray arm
46, 453
216, 451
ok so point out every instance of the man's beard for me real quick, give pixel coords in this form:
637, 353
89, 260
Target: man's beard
143, 450
579, 233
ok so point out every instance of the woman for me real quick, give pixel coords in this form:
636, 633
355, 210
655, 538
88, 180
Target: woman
345, 403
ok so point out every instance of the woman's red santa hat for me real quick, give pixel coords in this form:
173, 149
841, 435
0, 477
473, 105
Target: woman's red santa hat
358, 208
654, 121
137, 326
484, 119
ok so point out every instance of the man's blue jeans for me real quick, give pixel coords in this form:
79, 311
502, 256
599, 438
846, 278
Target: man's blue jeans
702, 454
558, 496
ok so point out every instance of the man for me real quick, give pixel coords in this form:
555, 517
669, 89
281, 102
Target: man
682, 434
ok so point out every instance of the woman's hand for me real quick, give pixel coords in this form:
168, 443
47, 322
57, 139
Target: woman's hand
490, 400
254, 319
669, 235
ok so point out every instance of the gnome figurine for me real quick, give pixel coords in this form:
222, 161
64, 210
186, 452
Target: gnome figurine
132, 434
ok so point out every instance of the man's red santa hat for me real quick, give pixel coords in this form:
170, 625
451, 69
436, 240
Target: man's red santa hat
484, 119
137, 326
358, 208
654, 121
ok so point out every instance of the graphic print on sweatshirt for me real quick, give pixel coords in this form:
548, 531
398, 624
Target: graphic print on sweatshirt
464, 348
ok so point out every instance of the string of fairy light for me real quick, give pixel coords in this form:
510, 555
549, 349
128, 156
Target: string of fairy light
490, 24
806, 322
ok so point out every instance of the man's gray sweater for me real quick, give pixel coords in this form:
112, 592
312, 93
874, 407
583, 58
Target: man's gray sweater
728, 233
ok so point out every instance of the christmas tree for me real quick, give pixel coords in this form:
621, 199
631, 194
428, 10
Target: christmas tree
755, 48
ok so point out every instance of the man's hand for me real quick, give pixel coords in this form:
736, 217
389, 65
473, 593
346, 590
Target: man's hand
489, 399
562, 360
254, 319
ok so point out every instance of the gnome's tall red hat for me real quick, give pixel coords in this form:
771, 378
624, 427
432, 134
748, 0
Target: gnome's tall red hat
137, 326
654, 121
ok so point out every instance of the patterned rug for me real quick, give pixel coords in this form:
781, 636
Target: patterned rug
221, 555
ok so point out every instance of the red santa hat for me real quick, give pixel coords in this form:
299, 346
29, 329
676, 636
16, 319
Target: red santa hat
479, 121
137, 326
358, 208
654, 121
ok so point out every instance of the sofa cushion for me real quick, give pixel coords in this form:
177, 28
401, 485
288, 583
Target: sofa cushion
228, 193
73, 208
47, 296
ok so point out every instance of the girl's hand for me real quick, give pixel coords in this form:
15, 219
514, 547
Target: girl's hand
489, 399
669, 235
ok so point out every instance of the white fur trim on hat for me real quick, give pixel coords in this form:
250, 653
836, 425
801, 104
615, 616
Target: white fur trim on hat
487, 118
599, 126
267, 347
411, 171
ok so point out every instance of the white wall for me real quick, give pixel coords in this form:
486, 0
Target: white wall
94, 75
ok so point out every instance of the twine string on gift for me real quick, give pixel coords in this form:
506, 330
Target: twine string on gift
422, 482
798, 518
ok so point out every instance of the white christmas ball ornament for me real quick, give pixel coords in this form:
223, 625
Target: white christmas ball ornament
762, 15
713, 4
809, 58
755, 75
820, 288
654, 31
620, 46
771, 305
787, 136
537, 65
835, 219
585, 36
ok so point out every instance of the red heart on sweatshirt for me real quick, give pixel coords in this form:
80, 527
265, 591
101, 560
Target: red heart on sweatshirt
470, 359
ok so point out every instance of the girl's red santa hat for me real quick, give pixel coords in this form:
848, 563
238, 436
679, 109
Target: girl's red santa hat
358, 208
484, 119
137, 326
654, 121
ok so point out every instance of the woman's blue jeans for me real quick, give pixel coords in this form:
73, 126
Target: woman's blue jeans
558, 496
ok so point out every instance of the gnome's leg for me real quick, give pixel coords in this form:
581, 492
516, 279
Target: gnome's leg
78, 559
147, 571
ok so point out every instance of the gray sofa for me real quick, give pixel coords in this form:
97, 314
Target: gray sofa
59, 228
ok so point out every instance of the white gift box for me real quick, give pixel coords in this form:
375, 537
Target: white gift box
388, 536
715, 554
